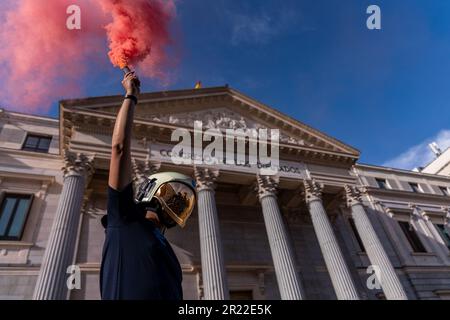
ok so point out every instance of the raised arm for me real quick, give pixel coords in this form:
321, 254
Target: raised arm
120, 167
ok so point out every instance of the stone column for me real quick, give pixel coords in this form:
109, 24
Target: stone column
341, 278
280, 246
213, 268
427, 232
58, 255
390, 282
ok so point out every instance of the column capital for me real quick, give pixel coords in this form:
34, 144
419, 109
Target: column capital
78, 164
353, 195
144, 168
417, 212
267, 186
206, 178
313, 190
385, 208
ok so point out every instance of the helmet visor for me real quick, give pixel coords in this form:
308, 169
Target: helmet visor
177, 199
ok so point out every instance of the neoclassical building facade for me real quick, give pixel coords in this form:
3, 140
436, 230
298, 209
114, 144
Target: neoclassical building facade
324, 227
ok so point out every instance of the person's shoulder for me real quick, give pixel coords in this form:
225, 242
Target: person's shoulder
126, 190
125, 195
121, 205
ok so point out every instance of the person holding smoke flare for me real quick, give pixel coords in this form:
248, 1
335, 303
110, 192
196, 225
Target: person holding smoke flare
138, 263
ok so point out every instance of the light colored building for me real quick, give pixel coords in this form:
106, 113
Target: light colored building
440, 165
317, 230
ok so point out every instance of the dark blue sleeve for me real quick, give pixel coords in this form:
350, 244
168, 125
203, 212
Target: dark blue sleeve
121, 206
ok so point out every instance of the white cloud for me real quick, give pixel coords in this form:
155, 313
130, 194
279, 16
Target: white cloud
420, 155
260, 28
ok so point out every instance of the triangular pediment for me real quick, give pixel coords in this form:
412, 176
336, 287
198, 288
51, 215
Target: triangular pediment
221, 108
217, 118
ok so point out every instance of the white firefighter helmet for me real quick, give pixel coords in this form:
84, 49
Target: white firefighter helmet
175, 193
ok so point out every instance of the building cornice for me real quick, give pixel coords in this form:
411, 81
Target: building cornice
111, 101
283, 118
412, 196
29, 154
14, 115
401, 171
20, 174
427, 269
19, 270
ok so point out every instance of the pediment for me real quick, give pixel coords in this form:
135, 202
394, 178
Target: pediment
217, 118
219, 108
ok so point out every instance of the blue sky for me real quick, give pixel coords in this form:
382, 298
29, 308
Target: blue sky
384, 92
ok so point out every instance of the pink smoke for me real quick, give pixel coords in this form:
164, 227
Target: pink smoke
139, 33
42, 61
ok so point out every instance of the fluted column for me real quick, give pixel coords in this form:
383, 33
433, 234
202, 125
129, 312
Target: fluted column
390, 282
58, 255
280, 246
427, 231
341, 278
213, 268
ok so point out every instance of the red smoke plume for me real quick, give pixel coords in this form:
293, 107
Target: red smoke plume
139, 33
40, 58
42, 61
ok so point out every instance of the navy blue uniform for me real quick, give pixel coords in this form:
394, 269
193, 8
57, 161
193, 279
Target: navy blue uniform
137, 263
